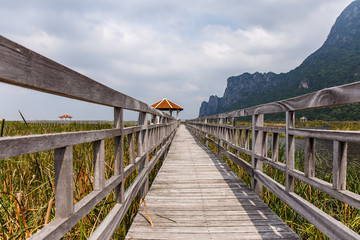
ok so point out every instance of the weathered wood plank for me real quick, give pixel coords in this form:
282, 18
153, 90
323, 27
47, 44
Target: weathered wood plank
339, 165
64, 182
23, 67
325, 223
290, 151
341, 136
59, 226
99, 165
113, 219
19, 145
205, 198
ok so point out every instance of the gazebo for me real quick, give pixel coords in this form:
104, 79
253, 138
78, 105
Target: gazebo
167, 105
65, 116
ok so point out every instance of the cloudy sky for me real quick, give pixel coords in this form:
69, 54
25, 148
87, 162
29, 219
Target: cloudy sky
183, 50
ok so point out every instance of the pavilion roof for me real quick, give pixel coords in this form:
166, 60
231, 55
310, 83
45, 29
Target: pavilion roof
166, 104
65, 116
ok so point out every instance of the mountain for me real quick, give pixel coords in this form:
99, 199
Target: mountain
337, 62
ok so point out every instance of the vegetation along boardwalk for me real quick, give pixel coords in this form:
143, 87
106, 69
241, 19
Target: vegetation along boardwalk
196, 196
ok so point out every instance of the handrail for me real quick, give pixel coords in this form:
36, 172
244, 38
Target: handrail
25, 68
215, 130
22, 67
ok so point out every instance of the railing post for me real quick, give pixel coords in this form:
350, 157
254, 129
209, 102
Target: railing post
143, 149
275, 147
339, 165
206, 121
99, 165
309, 169
219, 136
119, 154
234, 137
131, 142
64, 189
290, 150
246, 140
257, 149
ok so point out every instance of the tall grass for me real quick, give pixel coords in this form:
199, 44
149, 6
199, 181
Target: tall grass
27, 184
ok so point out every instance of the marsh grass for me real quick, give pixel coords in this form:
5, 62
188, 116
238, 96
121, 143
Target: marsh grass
27, 199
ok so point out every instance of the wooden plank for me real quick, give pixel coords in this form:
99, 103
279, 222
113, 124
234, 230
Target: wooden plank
23, 67
339, 165
326, 187
290, 151
205, 198
64, 195
99, 165
325, 223
113, 219
341, 136
275, 147
309, 168
119, 154
59, 226
19, 145
258, 149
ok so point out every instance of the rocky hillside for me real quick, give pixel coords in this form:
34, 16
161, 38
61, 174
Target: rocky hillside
337, 62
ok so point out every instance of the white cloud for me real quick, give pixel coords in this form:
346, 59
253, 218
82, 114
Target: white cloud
182, 50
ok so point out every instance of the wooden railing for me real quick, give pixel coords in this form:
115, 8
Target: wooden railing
22, 67
217, 131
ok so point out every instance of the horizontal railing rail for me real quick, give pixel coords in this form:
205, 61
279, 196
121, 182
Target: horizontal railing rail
146, 143
231, 140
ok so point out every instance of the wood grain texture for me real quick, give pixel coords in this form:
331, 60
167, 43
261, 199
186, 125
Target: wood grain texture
326, 187
196, 196
114, 218
19, 145
63, 158
325, 223
23, 67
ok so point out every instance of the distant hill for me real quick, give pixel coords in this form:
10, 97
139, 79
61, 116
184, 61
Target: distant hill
337, 62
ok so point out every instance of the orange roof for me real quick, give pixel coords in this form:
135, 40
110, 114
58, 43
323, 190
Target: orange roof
65, 116
166, 104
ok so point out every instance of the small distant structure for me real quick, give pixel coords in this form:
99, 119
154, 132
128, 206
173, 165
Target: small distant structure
65, 116
303, 119
167, 105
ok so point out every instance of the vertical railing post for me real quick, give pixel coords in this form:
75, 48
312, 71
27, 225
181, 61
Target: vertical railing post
99, 164
275, 147
219, 135
206, 129
241, 136
131, 143
64, 189
234, 137
246, 140
309, 168
257, 149
143, 149
339, 165
290, 150
119, 153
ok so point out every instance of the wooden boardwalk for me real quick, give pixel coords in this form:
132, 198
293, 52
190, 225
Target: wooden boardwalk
196, 196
